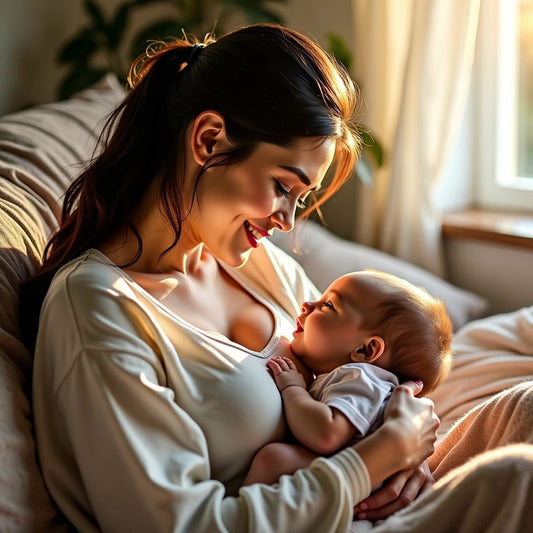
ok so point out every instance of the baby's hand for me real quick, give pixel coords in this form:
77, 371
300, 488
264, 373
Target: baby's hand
285, 373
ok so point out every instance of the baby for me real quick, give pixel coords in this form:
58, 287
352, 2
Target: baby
369, 332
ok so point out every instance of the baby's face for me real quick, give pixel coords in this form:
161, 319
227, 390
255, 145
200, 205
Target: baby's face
330, 329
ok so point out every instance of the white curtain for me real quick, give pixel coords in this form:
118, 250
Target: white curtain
413, 61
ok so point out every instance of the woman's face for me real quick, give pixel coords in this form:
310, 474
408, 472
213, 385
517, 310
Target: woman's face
241, 204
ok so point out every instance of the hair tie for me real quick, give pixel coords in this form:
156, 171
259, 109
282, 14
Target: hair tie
195, 52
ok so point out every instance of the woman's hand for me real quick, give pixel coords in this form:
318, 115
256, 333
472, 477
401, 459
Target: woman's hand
395, 451
396, 493
414, 423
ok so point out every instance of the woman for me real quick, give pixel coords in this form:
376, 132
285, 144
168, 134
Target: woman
151, 394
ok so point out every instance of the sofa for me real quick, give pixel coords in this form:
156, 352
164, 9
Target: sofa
41, 150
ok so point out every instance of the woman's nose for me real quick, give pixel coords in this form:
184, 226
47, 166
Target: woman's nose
283, 216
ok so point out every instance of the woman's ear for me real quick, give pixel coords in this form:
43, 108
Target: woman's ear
368, 352
208, 136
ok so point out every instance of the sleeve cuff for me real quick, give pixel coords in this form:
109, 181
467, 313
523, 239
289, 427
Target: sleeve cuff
352, 470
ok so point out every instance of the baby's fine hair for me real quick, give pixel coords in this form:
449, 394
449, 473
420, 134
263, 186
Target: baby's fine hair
417, 331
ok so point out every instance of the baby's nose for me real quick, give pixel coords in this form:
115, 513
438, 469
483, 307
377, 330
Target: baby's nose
307, 307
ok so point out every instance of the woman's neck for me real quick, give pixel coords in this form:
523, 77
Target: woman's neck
157, 235
187, 256
185, 259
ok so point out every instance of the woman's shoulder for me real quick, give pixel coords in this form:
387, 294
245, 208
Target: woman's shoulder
90, 274
91, 264
90, 300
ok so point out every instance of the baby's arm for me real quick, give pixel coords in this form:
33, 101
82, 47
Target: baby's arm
314, 424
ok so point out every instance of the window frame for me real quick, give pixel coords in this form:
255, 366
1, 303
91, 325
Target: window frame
495, 96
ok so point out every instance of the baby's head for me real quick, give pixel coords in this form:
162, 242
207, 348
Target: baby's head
377, 318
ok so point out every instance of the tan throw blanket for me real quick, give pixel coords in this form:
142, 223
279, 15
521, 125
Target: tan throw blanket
507, 419
488, 400
486, 404
491, 494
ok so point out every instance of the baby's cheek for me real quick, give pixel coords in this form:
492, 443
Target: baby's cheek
319, 338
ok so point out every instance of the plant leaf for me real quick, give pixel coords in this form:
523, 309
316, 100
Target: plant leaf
160, 30
337, 46
95, 13
79, 49
118, 24
144, 2
261, 15
254, 10
80, 77
371, 146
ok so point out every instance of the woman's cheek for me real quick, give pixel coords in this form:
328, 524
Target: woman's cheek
265, 203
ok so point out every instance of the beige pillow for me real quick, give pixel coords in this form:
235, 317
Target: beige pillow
325, 257
41, 151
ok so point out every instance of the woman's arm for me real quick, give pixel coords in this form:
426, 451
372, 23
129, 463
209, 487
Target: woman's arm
314, 424
308, 418
118, 448
411, 436
397, 492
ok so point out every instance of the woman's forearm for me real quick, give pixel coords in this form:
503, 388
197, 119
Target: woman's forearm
382, 455
405, 439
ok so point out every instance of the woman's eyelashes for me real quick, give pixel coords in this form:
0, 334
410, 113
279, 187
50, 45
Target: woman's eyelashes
302, 202
285, 192
281, 189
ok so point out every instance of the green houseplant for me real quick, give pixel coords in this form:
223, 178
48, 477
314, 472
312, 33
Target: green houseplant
371, 147
104, 43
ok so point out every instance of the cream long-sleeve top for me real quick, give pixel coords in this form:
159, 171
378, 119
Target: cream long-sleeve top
147, 423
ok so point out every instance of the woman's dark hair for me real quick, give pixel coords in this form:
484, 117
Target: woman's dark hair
271, 84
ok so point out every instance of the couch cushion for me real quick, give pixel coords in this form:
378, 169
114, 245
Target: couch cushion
41, 150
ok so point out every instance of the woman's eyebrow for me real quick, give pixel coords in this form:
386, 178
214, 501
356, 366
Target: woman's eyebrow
302, 176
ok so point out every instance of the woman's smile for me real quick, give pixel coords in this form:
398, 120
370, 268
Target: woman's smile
255, 233
256, 196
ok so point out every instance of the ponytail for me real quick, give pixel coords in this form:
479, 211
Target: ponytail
270, 84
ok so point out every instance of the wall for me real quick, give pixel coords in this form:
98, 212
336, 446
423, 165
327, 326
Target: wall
501, 273
33, 30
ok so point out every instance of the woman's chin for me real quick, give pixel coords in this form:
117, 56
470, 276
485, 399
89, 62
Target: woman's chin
236, 260
244, 258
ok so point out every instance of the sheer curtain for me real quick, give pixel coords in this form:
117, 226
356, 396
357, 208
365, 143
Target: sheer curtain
413, 61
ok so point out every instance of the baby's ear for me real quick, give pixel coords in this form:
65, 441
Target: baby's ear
368, 352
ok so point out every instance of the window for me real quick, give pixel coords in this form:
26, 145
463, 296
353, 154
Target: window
502, 95
525, 90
